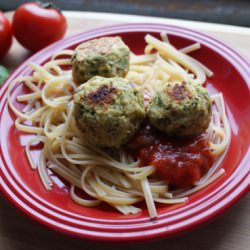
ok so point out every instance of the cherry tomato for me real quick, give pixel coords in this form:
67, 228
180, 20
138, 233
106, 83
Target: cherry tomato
36, 25
5, 35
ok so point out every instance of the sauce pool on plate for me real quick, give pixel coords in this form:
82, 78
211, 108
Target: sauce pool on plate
180, 162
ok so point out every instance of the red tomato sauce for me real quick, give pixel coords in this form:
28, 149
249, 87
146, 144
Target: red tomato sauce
179, 162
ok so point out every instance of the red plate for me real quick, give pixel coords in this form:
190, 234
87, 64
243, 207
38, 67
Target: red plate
55, 209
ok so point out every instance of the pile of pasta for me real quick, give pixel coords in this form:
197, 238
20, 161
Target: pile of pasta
117, 178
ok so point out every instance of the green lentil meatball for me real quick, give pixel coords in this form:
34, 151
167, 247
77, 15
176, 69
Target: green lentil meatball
108, 111
107, 57
181, 109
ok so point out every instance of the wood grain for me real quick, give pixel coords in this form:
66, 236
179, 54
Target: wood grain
231, 231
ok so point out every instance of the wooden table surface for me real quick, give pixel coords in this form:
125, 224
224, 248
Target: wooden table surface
231, 231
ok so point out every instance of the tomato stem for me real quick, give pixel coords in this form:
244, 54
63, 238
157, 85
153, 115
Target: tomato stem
48, 5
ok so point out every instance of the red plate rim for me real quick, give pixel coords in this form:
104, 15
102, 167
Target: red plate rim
136, 229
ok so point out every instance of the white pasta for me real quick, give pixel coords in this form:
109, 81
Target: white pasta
117, 180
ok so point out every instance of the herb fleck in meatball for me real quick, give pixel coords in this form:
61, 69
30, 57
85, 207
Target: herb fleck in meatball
108, 111
181, 109
107, 57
